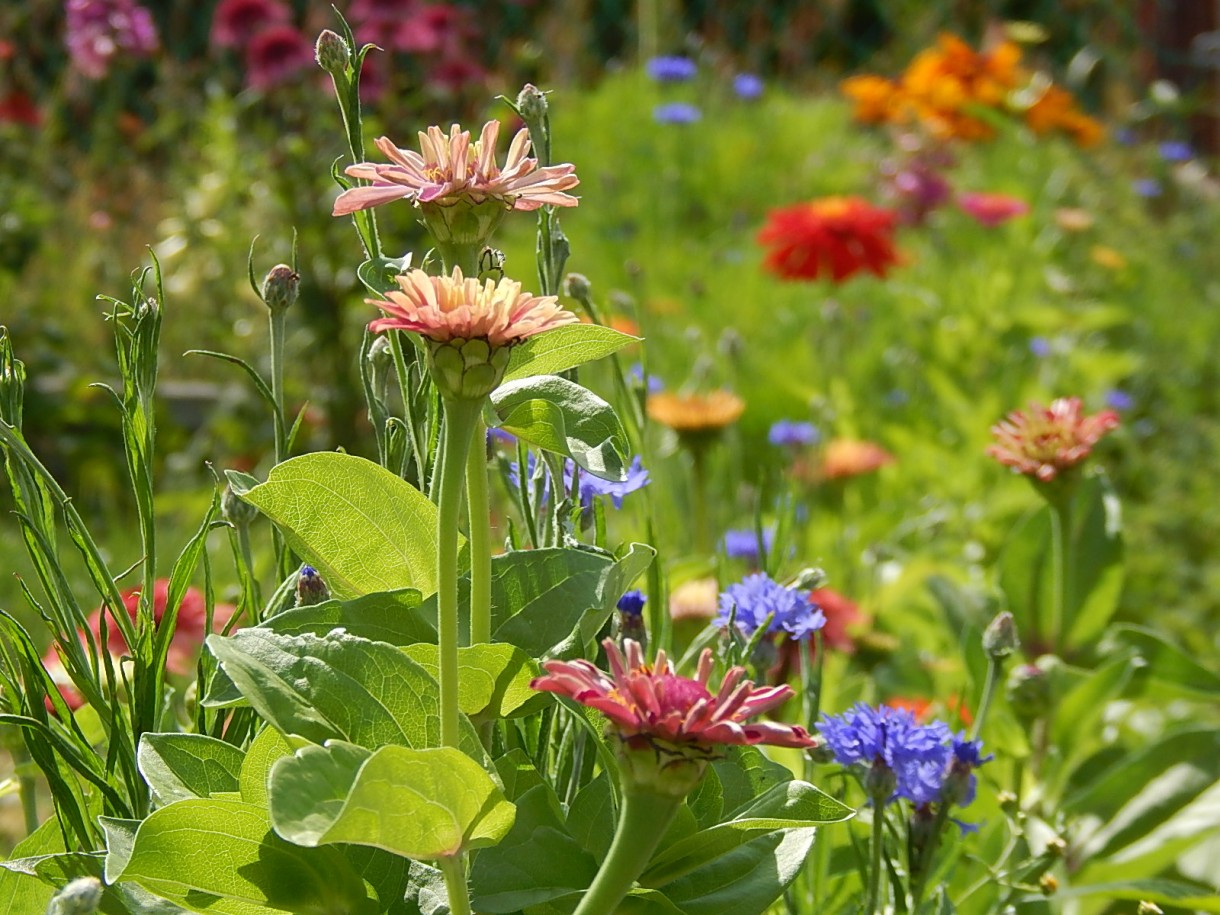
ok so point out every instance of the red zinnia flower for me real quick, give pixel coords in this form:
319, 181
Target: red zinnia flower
839, 236
1044, 441
991, 209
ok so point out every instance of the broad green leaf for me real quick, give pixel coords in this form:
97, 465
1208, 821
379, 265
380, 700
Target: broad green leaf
20, 893
564, 348
790, 805
181, 766
1097, 560
494, 679
747, 879
339, 687
364, 528
706, 802
536, 862
562, 417
1166, 661
1175, 893
591, 816
221, 856
378, 273
745, 774
268, 746
422, 804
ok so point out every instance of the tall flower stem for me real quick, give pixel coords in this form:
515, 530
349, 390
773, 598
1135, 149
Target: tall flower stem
461, 417
642, 822
926, 854
994, 668
699, 503
454, 870
1063, 568
874, 873
480, 536
277, 319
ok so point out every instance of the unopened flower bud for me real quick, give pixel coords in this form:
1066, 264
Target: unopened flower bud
235, 510
576, 285
1056, 847
809, 579
80, 897
531, 103
331, 52
1029, 692
823, 753
280, 287
1000, 638
311, 589
880, 783
1048, 884
1008, 802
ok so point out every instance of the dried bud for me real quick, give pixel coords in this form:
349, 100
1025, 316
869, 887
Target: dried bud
332, 52
311, 589
80, 897
236, 511
577, 286
1000, 638
280, 287
531, 104
1048, 884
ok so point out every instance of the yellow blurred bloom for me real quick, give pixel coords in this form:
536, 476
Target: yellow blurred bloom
1073, 219
1107, 257
697, 599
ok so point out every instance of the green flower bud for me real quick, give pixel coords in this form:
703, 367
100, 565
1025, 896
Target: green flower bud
467, 369
577, 286
660, 767
280, 287
332, 53
80, 897
1000, 638
236, 511
1029, 692
531, 104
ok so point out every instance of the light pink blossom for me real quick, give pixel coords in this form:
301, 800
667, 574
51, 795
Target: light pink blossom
1043, 441
991, 210
652, 702
452, 168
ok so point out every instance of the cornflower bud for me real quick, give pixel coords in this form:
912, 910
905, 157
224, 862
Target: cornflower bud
311, 589
576, 285
880, 783
280, 287
1000, 638
236, 511
1029, 692
331, 52
80, 897
531, 103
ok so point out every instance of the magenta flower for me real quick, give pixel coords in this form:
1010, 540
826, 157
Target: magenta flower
101, 31
275, 55
236, 22
646, 702
991, 210
1041, 442
452, 169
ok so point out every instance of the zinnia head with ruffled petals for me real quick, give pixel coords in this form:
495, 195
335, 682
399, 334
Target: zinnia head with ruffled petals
836, 237
646, 702
1042, 442
455, 307
450, 169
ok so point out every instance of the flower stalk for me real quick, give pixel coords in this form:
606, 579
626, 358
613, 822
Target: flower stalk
454, 871
479, 505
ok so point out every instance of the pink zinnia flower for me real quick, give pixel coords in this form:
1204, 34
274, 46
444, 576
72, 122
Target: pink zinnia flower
445, 308
275, 55
646, 702
991, 209
453, 169
1043, 441
236, 22
190, 629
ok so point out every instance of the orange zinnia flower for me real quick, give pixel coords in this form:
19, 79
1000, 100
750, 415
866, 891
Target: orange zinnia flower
835, 236
696, 413
845, 457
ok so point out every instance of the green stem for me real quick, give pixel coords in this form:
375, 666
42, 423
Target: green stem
460, 419
989, 685
277, 317
699, 504
642, 822
454, 869
1062, 563
27, 786
480, 536
925, 858
874, 873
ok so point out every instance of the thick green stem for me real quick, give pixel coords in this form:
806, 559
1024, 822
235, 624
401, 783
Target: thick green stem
993, 675
454, 870
874, 872
278, 315
460, 419
927, 853
1062, 568
642, 822
480, 537
703, 543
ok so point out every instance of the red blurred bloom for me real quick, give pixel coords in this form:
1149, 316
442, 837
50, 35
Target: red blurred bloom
236, 22
841, 614
275, 55
924, 710
190, 630
991, 209
1041, 442
646, 702
839, 236
19, 108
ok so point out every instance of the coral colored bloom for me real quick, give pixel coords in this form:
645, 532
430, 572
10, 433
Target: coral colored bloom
924, 709
991, 209
835, 236
452, 169
1042, 442
651, 702
445, 308
235, 22
190, 629
845, 457
695, 413
841, 613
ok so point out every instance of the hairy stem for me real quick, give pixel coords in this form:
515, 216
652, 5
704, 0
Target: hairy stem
480, 536
454, 869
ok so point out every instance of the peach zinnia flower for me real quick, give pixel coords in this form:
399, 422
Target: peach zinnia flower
453, 169
446, 308
696, 413
989, 209
846, 457
1042, 442
835, 236
650, 702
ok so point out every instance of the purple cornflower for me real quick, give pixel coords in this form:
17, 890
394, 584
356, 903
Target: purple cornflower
742, 543
747, 86
671, 69
98, 31
1119, 400
788, 432
676, 113
959, 780
1040, 347
1147, 187
756, 597
1175, 151
632, 602
910, 758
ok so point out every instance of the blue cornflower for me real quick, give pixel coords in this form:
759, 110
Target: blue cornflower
742, 543
1040, 347
1175, 151
747, 86
960, 782
1119, 400
792, 432
671, 69
590, 485
1147, 187
676, 113
889, 739
1124, 136
632, 602
636, 374
756, 597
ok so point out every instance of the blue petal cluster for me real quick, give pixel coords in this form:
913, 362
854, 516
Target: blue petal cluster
742, 543
747, 86
676, 113
632, 602
590, 486
1175, 151
671, 69
756, 597
790, 432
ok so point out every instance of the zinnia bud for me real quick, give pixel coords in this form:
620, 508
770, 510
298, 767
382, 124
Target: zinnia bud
531, 103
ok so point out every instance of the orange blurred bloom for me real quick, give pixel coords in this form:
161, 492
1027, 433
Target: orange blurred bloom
694, 413
925, 710
835, 236
845, 457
